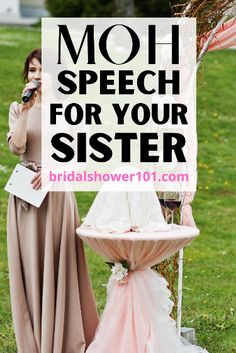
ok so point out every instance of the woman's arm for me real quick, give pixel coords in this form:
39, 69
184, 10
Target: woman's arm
19, 135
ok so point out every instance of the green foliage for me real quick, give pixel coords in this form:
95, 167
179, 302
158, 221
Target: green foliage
81, 8
154, 8
61, 8
104, 8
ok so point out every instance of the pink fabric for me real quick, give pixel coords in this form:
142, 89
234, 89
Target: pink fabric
225, 37
141, 250
136, 317
123, 329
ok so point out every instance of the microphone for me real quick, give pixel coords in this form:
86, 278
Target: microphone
30, 91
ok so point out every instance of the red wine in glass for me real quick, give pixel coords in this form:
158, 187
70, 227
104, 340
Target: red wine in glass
162, 202
172, 201
172, 204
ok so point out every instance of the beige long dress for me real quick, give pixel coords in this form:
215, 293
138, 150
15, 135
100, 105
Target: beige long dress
53, 305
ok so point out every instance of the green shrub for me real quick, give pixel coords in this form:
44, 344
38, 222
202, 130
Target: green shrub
154, 8
104, 8
81, 8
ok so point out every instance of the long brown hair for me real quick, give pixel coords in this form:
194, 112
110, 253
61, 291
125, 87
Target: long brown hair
36, 53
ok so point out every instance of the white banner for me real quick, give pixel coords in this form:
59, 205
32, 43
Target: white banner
119, 103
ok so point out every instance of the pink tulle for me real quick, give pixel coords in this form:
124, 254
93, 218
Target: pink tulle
136, 318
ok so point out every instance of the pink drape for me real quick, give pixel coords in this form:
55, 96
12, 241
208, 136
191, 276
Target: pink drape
225, 37
136, 317
141, 250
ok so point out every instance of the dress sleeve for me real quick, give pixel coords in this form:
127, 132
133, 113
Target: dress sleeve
14, 113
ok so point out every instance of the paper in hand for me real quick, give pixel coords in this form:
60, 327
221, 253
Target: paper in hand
19, 184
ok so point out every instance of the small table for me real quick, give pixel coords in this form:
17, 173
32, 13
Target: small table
136, 318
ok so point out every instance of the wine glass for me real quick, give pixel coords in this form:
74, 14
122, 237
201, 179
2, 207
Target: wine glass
160, 195
172, 201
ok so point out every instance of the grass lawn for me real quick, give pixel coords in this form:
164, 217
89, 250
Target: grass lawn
209, 302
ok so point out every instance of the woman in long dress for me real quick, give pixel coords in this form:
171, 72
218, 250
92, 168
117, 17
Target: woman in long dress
53, 305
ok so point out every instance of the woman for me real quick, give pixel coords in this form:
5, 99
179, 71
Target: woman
52, 301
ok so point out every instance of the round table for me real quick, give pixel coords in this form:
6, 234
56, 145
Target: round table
136, 318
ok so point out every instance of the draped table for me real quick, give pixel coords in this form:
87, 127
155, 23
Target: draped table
136, 318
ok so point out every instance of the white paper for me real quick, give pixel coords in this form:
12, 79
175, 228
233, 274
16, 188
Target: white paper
19, 184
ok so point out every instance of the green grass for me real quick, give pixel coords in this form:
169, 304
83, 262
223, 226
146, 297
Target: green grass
209, 302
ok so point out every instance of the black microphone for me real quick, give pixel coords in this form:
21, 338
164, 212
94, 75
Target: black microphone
30, 91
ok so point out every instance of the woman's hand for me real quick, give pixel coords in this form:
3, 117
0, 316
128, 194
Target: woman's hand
37, 181
27, 105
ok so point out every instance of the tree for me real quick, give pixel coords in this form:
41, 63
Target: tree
80, 8
124, 8
154, 8
108, 8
